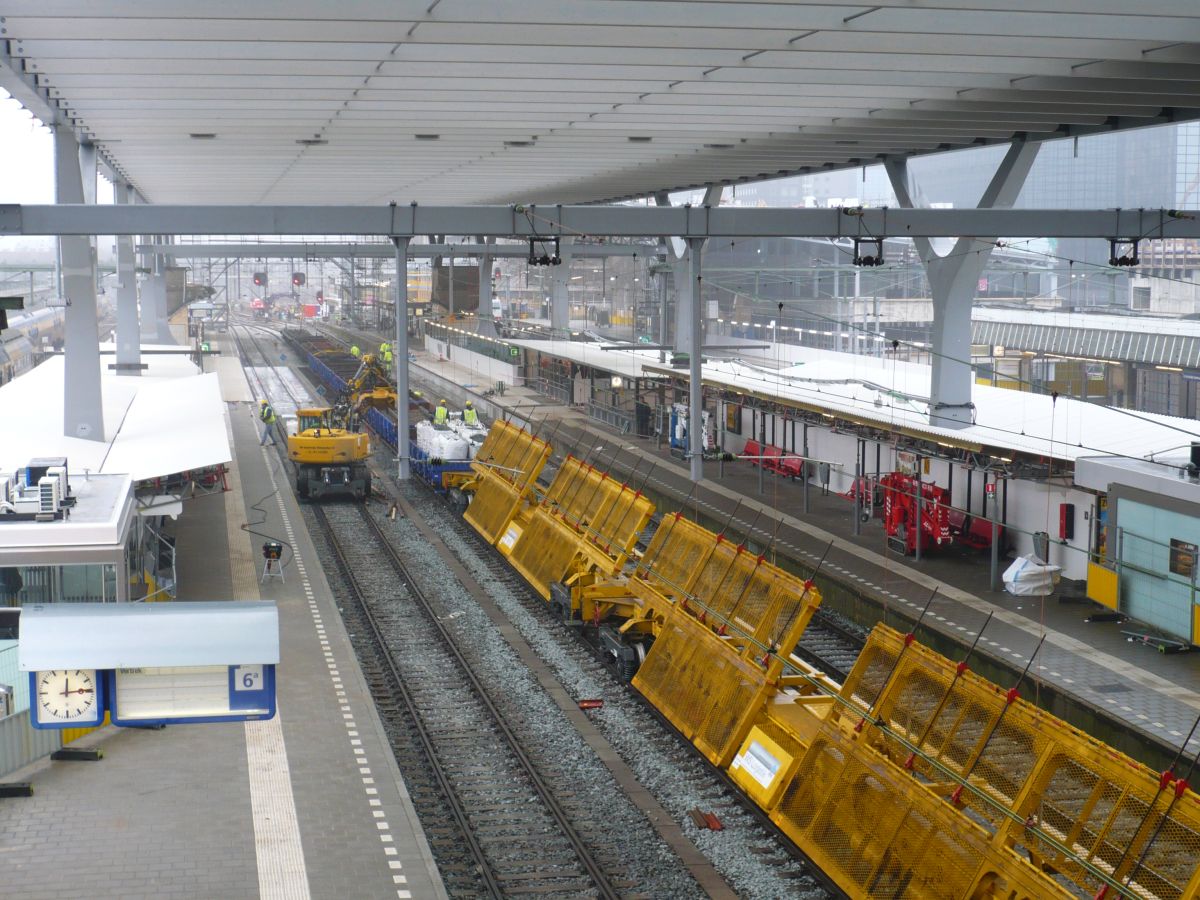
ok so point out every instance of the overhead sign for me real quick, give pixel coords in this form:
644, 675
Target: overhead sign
183, 694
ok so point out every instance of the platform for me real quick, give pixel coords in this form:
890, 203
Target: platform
310, 804
1090, 663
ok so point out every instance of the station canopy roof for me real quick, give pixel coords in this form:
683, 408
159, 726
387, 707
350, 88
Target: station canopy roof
568, 101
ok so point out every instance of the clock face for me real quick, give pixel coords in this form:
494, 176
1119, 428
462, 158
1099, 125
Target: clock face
68, 696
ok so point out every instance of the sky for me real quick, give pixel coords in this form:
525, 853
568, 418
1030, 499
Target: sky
27, 171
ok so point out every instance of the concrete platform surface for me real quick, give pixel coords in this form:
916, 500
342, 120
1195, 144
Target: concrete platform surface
310, 804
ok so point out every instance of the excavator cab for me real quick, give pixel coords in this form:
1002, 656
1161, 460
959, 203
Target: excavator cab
330, 460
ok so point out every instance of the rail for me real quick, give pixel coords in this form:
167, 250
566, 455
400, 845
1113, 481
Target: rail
593, 868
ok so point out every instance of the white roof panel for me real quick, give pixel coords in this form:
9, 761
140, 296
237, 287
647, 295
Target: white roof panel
131, 635
894, 396
165, 421
466, 101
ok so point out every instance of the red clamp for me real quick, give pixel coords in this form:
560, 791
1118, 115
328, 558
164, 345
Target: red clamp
1011, 695
1164, 779
908, 763
908, 639
960, 668
1180, 787
956, 796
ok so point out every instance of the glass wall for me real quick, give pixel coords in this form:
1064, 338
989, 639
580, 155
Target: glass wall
84, 583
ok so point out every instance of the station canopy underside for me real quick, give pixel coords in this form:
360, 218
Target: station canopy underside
570, 101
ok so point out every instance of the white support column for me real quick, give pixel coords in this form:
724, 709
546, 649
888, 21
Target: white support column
687, 302
400, 351
83, 413
681, 269
560, 297
954, 281
129, 337
695, 379
485, 282
87, 163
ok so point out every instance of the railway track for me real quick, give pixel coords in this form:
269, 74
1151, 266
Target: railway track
770, 868
755, 857
498, 823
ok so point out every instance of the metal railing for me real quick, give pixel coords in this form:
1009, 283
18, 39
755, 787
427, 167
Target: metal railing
476, 343
555, 390
610, 415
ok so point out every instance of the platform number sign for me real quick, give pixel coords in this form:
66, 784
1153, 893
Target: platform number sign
248, 688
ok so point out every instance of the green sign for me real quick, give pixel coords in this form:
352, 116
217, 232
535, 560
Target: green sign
514, 351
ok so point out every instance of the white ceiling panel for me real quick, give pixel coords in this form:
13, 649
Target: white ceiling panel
575, 100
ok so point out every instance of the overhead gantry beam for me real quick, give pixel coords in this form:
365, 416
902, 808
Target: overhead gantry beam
375, 250
596, 221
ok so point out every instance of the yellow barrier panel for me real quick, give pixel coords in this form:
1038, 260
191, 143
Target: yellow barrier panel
587, 522
1103, 585
718, 656
1067, 801
880, 834
506, 466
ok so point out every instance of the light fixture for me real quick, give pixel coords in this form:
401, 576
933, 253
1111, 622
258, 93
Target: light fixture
428, 137
202, 135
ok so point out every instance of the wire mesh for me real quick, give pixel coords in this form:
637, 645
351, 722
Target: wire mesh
1073, 803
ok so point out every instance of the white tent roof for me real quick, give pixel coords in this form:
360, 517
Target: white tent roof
165, 421
464, 101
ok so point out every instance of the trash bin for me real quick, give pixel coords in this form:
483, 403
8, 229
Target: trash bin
1041, 545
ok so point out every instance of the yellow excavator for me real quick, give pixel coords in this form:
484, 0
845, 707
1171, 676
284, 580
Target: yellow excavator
330, 460
370, 388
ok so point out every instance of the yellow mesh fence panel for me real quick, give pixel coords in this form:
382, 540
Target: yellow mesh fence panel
512, 454
714, 585
707, 691
608, 513
1057, 794
544, 552
865, 823
675, 554
492, 507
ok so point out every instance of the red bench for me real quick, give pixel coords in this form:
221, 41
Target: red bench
771, 457
977, 533
792, 466
752, 450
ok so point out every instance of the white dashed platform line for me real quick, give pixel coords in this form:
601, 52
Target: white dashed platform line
360, 755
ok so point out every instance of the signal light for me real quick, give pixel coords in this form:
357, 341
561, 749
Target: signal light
297, 279
260, 278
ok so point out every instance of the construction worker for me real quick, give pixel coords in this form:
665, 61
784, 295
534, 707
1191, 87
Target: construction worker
470, 417
384, 349
355, 352
441, 415
387, 355
267, 415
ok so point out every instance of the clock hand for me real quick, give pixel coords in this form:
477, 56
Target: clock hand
66, 686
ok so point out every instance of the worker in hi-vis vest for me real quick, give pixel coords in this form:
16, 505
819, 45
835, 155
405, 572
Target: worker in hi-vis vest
355, 352
441, 415
470, 417
267, 415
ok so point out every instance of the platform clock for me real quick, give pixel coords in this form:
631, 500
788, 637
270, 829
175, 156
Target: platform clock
66, 698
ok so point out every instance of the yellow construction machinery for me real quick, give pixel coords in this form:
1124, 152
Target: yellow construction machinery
330, 459
914, 779
369, 388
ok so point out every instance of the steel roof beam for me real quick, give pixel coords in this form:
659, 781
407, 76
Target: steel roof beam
378, 250
575, 221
